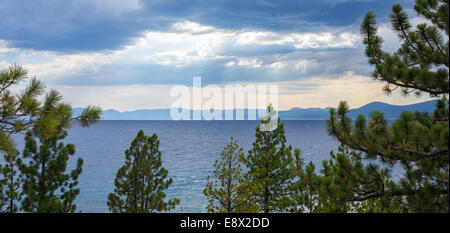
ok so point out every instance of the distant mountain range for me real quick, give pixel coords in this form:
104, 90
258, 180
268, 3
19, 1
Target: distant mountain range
390, 111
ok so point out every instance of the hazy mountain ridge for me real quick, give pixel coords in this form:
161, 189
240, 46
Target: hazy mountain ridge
390, 111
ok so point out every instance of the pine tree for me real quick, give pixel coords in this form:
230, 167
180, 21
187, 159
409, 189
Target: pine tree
10, 183
343, 175
229, 192
140, 183
23, 111
417, 141
47, 188
17, 110
304, 189
270, 165
20, 111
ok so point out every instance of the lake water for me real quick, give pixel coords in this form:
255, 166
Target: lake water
189, 149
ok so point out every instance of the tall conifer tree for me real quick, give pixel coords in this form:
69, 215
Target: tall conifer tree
304, 189
23, 111
10, 182
140, 183
228, 191
47, 187
417, 141
270, 165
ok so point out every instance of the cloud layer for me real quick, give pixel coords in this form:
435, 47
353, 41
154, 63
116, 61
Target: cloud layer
131, 52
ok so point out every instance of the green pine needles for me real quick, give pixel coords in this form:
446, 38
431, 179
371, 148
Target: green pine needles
140, 183
10, 183
420, 65
36, 180
260, 181
46, 185
357, 178
417, 141
271, 177
227, 191
270, 165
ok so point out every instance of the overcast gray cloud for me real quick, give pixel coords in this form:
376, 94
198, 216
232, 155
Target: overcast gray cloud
112, 45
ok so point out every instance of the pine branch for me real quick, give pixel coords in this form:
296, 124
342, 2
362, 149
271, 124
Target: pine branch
425, 154
393, 193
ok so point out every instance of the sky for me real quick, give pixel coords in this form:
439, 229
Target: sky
128, 54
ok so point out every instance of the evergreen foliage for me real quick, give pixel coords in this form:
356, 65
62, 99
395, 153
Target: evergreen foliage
10, 193
140, 183
47, 187
229, 192
416, 141
270, 165
47, 119
22, 111
304, 189
421, 63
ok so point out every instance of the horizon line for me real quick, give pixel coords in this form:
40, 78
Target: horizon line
257, 109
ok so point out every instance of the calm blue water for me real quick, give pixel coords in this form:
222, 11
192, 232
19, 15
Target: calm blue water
189, 149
